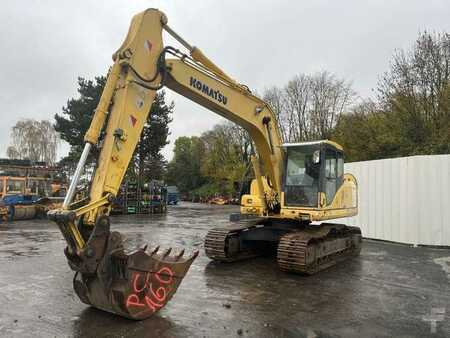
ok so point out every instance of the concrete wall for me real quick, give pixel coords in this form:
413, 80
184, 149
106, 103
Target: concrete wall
404, 200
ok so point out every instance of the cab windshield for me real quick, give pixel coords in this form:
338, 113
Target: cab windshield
302, 177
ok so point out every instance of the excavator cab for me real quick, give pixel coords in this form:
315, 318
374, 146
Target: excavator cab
312, 168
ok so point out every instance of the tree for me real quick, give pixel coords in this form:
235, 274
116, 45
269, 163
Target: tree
241, 140
412, 112
365, 133
224, 161
148, 163
309, 106
214, 163
76, 116
34, 140
297, 97
184, 169
330, 98
275, 97
414, 94
12, 152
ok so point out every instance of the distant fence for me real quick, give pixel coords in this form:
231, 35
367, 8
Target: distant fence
404, 200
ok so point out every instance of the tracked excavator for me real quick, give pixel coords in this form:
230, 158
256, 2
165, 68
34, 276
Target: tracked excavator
295, 185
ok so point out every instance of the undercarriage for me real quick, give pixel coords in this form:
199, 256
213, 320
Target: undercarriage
300, 247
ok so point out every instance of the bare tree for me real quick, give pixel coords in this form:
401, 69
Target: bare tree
309, 106
34, 140
330, 98
241, 140
274, 96
12, 152
297, 95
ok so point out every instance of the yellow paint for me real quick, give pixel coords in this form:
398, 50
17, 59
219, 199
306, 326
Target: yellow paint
76, 235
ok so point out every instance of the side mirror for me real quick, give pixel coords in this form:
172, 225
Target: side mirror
316, 157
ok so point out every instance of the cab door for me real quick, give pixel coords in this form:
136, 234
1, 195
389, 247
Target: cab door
333, 173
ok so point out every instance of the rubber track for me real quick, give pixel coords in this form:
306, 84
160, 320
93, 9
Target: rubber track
301, 252
215, 244
216, 241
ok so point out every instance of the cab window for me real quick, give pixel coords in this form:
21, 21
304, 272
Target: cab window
330, 164
302, 177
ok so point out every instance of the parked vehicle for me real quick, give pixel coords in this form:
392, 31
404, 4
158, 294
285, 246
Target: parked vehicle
172, 195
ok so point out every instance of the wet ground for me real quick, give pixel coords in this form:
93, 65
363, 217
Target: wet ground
389, 291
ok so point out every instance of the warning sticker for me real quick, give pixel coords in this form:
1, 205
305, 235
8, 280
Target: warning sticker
148, 45
133, 120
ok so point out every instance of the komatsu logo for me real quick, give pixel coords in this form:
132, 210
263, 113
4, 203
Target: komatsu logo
215, 94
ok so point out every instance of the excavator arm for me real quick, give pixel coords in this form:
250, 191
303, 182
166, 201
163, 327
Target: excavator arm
137, 284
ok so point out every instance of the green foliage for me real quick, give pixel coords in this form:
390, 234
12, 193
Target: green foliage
213, 164
76, 116
366, 134
412, 114
184, 169
147, 162
208, 190
222, 161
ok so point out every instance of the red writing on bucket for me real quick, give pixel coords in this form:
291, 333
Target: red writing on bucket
150, 290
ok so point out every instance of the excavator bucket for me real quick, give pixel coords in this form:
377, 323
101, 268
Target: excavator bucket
133, 284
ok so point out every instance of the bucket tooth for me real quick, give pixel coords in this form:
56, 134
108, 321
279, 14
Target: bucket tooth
155, 250
167, 252
180, 254
195, 254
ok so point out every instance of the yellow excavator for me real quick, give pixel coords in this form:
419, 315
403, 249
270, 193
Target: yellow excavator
295, 185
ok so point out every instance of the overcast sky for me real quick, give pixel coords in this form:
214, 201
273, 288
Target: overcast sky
46, 45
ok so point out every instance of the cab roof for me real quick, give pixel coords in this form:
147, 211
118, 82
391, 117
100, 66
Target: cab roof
333, 144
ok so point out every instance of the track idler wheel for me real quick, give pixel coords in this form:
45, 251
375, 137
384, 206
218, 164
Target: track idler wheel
133, 284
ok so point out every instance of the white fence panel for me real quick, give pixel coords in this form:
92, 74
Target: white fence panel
404, 199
